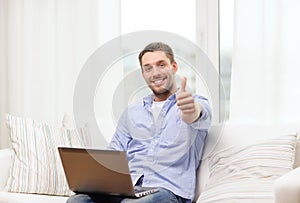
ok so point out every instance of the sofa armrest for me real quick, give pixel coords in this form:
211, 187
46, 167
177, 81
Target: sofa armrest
287, 187
5, 160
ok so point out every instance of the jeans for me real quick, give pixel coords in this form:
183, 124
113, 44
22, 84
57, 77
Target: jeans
163, 196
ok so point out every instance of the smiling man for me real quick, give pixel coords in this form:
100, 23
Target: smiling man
163, 135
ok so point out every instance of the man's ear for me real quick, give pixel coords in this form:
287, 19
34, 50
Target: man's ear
174, 67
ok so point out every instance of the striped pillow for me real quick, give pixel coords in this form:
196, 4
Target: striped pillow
36, 166
246, 173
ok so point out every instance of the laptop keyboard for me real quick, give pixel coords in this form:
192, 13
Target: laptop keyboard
142, 191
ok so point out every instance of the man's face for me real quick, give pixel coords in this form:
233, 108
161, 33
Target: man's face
158, 73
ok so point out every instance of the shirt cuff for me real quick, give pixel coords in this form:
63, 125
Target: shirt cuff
204, 120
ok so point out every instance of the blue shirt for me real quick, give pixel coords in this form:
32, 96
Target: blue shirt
167, 151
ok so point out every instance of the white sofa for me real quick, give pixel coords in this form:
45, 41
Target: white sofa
286, 188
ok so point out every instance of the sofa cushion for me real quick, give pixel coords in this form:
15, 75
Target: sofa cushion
9, 197
36, 165
5, 160
245, 173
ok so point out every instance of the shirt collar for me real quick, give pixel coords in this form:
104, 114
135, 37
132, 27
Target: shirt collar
148, 100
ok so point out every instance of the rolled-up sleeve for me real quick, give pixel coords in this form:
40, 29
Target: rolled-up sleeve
204, 121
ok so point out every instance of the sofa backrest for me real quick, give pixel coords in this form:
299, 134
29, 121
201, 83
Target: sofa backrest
234, 134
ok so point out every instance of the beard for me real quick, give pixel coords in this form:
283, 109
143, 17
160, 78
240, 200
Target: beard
162, 85
162, 92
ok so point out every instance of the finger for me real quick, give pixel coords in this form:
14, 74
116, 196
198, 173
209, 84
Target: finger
185, 100
186, 111
183, 95
187, 107
183, 84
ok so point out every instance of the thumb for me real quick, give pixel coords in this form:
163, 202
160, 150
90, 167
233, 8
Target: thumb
183, 84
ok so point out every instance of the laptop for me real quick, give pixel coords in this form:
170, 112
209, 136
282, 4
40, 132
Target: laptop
99, 171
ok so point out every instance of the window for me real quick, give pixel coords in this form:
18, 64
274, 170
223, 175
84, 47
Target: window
190, 19
226, 45
173, 16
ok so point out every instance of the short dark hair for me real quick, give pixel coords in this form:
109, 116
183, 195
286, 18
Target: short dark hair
157, 46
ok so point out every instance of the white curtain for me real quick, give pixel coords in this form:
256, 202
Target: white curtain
43, 46
265, 85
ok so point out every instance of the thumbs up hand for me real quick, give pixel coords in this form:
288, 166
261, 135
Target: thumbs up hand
190, 110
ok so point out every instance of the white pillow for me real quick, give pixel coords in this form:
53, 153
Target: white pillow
36, 165
246, 173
